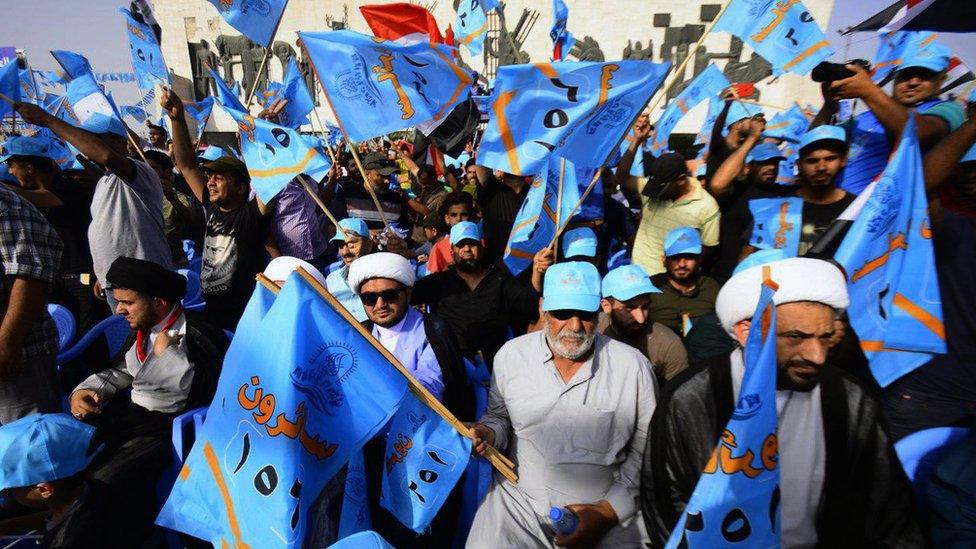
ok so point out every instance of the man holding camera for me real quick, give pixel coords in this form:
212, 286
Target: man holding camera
918, 80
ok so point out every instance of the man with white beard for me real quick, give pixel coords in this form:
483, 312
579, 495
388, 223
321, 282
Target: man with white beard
571, 407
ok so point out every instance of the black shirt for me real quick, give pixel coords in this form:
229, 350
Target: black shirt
71, 220
233, 253
817, 217
480, 318
499, 206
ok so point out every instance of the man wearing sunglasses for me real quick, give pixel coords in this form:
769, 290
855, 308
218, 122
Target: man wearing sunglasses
571, 406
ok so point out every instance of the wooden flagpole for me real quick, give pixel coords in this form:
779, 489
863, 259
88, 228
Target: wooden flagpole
499, 461
311, 192
559, 208
352, 146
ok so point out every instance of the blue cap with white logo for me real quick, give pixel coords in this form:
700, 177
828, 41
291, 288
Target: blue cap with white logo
22, 145
43, 448
626, 282
932, 56
352, 225
579, 242
683, 240
465, 230
99, 123
574, 285
764, 152
823, 133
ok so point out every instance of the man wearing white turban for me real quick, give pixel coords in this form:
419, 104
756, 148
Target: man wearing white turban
845, 484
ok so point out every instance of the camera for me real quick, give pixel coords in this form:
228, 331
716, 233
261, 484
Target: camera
828, 72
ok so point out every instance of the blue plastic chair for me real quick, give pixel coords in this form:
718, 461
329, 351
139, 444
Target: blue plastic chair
65, 322
920, 452
185, 427
115, 329
193, 300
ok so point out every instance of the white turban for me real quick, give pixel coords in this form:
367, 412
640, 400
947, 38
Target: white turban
799, 279
380, 265
281, 267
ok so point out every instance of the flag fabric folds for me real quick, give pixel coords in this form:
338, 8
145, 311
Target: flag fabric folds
294, 90
783, 33
354, 515
255, 19
789, 125
377, 87
425, 457
298, 396
85, 96
274, 154
9, 86
736, 500
535, 222
576, 110
896, 308
562, 39
707, 84
893, 47
225, 96
28, 87
399, 20
776, 224
936, 15
200, 112
147, 56
471, 24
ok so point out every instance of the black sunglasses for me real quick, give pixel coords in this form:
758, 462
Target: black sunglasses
370, 298
566, 314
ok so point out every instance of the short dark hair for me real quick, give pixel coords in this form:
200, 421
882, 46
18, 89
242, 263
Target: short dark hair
159, 129
469, 163
39, 163
455, 198
160, 158
427, 169
833, 145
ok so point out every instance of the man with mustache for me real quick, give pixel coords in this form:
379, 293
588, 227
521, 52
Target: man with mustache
842, 484
686, 294
354, 242
571, 407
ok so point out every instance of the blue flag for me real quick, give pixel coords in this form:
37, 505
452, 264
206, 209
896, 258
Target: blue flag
893, 47
783, 33
425, 457
736, 500
704, 136
471, 25
576, 110
294, 90
789, 125
255, 19
9, 86
787, 168
200, 112
147, 57
304, 393
84, 94
354, 515
776, 224
377, 86
562, 39
363, 540
274, 154
535, 222
138, 113
227, 97
708, 84
896, 308
28, 87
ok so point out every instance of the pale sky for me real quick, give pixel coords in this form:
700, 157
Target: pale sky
94, 28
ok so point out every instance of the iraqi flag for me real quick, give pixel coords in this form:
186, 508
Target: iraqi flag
396, 21
957, 74
934, 15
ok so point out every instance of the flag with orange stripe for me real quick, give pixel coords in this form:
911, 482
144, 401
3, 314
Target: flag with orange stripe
783, 33
896, 308
707, 84
574, 110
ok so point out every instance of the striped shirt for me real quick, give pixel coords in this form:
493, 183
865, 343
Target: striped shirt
659, 217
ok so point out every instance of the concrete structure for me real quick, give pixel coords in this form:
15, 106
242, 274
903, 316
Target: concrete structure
659, 30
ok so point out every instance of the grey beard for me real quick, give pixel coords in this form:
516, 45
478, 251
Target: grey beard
569, 353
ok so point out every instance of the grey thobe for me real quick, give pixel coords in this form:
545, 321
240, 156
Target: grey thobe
575, 442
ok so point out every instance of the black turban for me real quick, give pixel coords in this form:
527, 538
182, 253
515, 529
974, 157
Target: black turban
146, 278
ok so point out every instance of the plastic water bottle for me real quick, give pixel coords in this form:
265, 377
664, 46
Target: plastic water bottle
563, 520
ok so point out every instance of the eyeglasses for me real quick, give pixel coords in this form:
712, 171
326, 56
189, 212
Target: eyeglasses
566, 314
370, 298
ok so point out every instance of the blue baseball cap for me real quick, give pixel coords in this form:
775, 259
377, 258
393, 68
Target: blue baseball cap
465, 230
626, 282
99, 123
765, 152
823, 133
352, 225
43, 448
760, 257
574, 285
211, 153
683, 240
22, 145
933, 56
579, 242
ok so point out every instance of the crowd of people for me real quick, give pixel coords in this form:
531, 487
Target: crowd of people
612, 378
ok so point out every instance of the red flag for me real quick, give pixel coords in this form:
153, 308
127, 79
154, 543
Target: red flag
394, 21
449, 36
956, 75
